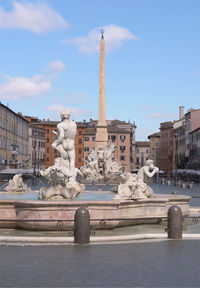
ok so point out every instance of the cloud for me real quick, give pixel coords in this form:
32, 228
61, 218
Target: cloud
159, 115
57, 109
114, 36
20, 87
55, 66
145, 108
35, 17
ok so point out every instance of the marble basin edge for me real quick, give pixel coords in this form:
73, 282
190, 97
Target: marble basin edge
24, 214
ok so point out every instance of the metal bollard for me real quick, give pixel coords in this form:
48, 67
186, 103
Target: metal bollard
82, 226
174, 223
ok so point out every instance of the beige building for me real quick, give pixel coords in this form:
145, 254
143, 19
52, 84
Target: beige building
13, 139
37, 147
142, 153
179, 144
166, 147
176, 143
154, 142
195, 149
192, 122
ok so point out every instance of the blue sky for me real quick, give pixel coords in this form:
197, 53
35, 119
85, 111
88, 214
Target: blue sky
49, 58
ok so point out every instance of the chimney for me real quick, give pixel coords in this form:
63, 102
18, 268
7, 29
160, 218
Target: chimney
181, 112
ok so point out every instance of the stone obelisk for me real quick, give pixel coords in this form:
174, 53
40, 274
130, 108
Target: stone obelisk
102, 130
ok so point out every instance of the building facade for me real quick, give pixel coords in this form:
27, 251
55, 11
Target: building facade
142, 153
166, 147
79, 145
120, 133
179, 144
13, 139
194, 154
154, 142
49, 127
192, 122
37, 144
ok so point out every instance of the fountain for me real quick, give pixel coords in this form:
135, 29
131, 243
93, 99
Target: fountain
17, 185
133, 198
101, 166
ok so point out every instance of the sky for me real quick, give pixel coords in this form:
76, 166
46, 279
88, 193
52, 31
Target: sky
49, 59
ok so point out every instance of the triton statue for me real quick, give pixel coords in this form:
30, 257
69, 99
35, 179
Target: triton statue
62, 175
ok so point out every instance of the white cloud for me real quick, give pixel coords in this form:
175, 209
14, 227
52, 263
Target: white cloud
55, 66
145, 108
36, 17
21, 87
57, 109
160, 115
114, 36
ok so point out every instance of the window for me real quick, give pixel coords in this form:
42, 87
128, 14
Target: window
122, 138
122, 158
34, 143
47, 139
34, 132
113, 138
86, 138
79, 160
47, 131
79, 133
94, 139
79, 151
47, 159
47, 150
86, 149
137, 160
79, 141
122, 148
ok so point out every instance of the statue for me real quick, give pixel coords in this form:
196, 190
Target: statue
134, 186
62, 175
64, 144
17, 185
101, 165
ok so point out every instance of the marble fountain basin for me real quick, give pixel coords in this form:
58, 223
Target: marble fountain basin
104, 214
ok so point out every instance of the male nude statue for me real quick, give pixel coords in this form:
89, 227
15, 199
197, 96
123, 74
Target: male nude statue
65, 142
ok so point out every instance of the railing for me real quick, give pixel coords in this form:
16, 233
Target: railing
102, 223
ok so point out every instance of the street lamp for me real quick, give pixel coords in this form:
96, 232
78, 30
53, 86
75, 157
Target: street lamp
176, 157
